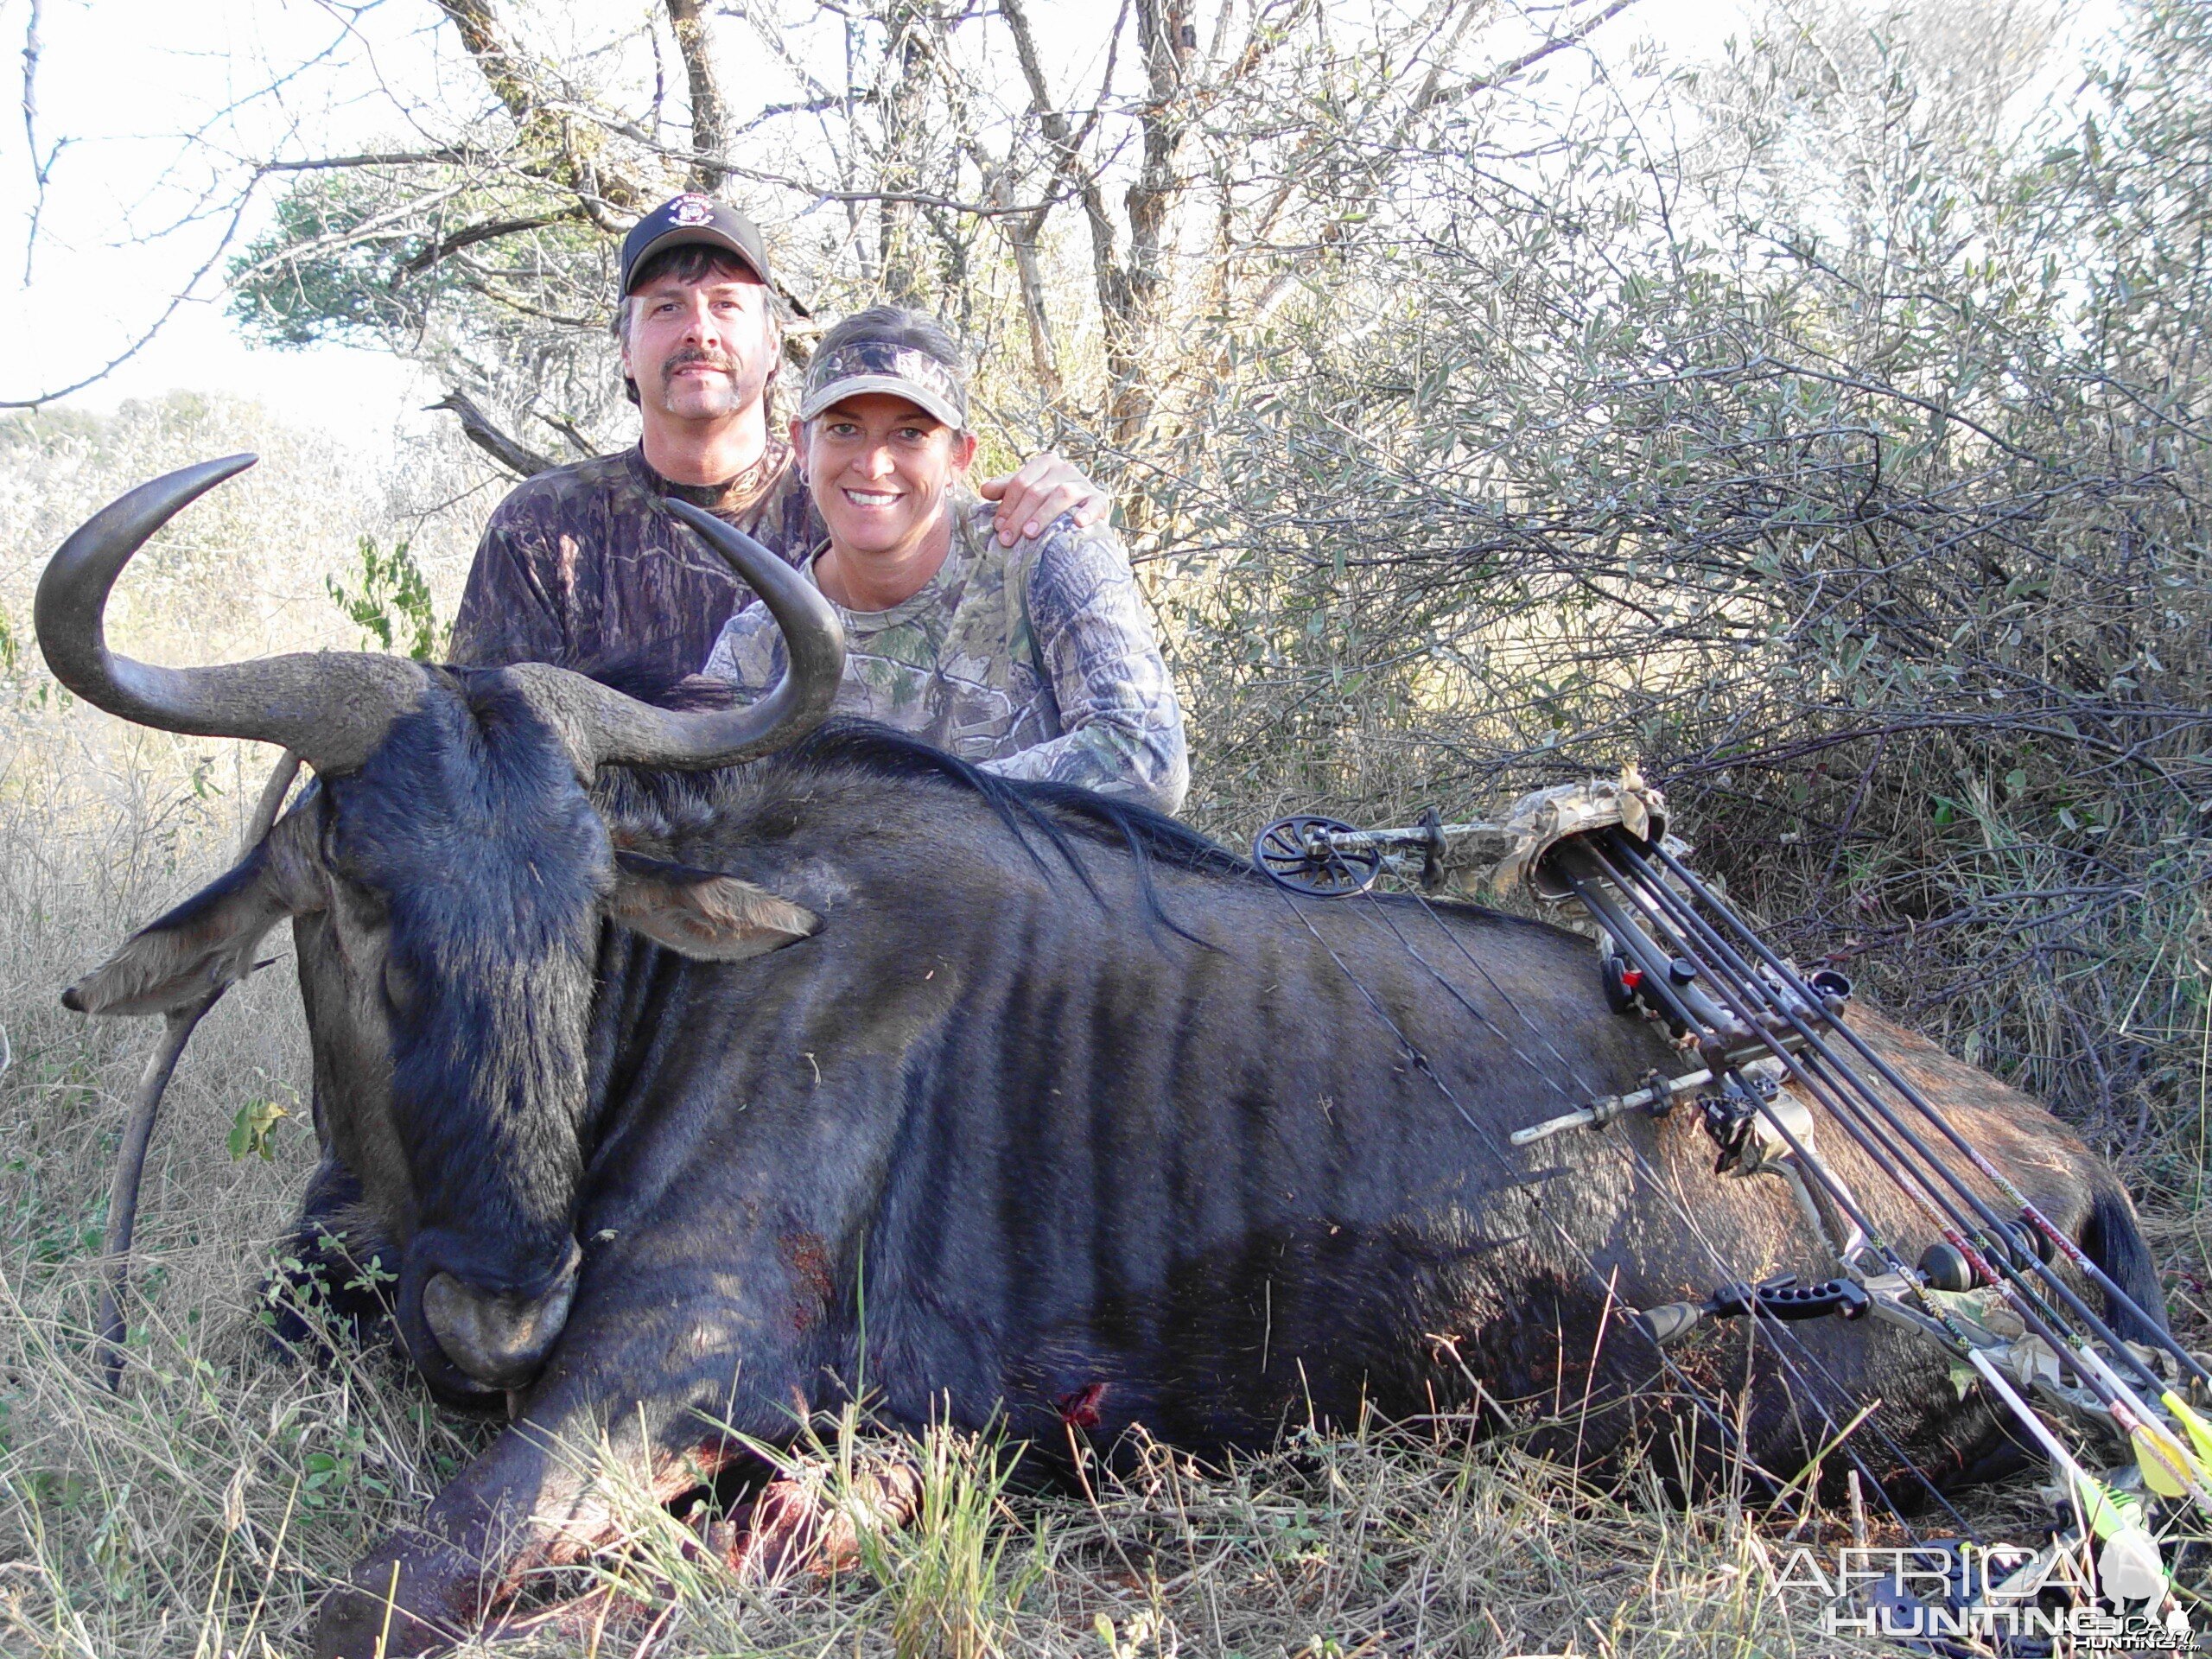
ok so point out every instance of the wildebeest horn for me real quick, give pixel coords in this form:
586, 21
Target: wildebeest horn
622, 731
331, 708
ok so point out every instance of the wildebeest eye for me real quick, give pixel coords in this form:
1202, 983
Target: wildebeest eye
399, 984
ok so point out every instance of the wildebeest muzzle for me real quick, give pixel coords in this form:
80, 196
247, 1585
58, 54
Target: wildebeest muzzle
470, 1338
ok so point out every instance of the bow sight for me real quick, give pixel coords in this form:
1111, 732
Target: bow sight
1769, 1042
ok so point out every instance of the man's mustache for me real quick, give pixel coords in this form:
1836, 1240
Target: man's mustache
684, 359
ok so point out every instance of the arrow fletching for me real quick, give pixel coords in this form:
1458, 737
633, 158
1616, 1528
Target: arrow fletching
2108, 1513
2200, 1431
2168, 1469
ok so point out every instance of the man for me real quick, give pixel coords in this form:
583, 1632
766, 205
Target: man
581, 563
1033, 658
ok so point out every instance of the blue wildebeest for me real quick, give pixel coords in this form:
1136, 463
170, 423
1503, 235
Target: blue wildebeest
684, 1054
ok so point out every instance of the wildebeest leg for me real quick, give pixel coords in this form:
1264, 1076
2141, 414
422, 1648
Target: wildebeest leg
334, 1272
796, 1524
530, 1502
528, 1505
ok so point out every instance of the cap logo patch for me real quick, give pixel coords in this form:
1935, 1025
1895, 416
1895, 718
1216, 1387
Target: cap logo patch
692, 210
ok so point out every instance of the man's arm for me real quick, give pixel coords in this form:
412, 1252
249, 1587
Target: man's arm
507, 614
1121, 726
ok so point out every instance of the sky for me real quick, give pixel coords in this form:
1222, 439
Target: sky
123, 226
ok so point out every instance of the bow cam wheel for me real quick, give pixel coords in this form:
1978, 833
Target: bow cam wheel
1302, 855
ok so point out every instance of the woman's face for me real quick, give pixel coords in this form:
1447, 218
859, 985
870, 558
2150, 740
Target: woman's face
879, 469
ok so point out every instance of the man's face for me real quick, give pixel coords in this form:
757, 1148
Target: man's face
879, 467
699, 351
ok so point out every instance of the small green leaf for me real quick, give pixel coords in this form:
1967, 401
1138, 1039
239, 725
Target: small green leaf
250, 1129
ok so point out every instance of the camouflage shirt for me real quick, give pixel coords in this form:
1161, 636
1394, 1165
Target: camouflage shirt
1034, 661
581, 565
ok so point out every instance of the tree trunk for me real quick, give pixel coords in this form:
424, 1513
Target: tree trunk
709, 111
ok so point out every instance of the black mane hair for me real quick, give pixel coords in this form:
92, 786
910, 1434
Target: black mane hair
1050, 811
1022, 804
636, 674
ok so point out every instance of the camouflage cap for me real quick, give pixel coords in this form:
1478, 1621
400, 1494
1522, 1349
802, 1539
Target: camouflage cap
854, 367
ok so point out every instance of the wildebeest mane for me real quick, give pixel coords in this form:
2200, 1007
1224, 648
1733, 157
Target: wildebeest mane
1049, 811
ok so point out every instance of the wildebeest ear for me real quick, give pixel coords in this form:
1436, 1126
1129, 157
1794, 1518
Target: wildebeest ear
208, 940
700, 913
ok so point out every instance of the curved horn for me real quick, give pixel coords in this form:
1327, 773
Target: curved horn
331, 708
625, 732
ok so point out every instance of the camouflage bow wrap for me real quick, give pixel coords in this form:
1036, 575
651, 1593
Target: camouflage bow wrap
1512, 854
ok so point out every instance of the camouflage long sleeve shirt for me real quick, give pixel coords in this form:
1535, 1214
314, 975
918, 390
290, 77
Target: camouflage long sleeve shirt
581, 565
1036, 660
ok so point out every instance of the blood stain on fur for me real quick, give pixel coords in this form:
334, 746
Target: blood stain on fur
808, 1258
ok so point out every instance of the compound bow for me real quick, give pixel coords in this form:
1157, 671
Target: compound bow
1990, 1292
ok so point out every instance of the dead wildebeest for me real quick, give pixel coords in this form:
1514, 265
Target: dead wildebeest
678, 1083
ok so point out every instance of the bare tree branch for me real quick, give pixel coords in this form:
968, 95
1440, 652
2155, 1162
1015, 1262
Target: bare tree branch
1430, 98
1499, 74
904, 143
1020, 233
577, 442
377, 227
1069, 165
176, 302
480, 429
491, 231
391, 158
495, 61
41, 171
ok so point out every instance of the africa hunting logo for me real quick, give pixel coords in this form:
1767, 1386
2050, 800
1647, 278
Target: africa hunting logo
2000, 1594
692, 210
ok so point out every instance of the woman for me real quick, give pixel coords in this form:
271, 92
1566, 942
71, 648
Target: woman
1033, 660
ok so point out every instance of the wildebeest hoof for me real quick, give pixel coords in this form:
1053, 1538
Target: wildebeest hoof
401, 1601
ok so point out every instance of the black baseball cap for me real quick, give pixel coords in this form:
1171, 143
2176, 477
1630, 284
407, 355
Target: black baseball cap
692, 220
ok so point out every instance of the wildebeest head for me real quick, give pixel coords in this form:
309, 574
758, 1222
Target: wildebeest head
450, 872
